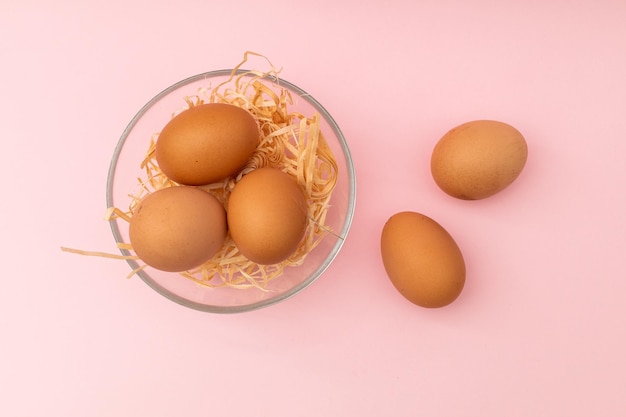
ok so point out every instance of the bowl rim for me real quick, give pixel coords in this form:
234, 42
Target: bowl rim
343, 233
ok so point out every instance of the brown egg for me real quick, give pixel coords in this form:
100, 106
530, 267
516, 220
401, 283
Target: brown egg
206, 143
177, 228
267, 215
478, 159
422, 260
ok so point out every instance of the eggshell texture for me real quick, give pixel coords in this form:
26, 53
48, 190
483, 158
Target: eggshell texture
206, 143
478, 159
422, 260
267, 215
178, 228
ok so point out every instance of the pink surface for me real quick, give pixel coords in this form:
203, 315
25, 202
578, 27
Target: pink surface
538, 331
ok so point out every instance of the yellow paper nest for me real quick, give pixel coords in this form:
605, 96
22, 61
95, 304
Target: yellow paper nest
289, 141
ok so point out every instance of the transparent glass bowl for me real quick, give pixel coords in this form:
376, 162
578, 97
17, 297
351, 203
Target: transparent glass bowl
122, 182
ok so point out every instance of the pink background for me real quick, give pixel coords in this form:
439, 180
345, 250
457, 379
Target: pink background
540, 328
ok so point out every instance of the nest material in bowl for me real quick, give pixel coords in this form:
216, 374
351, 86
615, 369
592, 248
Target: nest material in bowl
290, 141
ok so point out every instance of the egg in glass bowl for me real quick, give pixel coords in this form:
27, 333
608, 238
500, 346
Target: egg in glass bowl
294, 191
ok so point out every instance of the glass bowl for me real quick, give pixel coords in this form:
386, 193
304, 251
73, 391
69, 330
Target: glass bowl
125, 170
